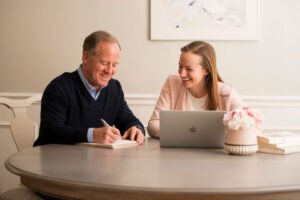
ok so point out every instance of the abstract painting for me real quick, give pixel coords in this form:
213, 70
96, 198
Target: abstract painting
204, 19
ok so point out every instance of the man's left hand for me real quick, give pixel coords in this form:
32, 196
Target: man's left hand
133, 133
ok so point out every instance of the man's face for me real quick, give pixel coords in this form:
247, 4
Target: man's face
100, 65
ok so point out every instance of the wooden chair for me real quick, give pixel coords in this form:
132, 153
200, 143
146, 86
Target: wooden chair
22, 127
23, 133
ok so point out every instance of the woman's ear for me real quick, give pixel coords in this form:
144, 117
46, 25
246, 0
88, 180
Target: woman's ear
206, 73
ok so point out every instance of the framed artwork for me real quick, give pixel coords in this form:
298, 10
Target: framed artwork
204, 19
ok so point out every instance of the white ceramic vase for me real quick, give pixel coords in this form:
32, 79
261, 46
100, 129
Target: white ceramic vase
241, 141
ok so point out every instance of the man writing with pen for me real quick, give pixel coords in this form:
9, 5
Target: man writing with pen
73, 104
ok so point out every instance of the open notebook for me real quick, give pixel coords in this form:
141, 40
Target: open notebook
116, 145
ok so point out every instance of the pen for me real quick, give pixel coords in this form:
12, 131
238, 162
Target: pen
106, 124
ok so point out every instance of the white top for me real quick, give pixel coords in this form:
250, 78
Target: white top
197, 103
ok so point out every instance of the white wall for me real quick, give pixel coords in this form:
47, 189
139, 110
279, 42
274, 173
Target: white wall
40, 39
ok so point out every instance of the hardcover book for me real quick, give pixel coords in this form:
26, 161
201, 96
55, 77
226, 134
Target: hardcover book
279, 142
279, 145
285, 150
279, 138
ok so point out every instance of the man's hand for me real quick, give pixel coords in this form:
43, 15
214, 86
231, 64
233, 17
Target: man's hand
133, 133
105, 135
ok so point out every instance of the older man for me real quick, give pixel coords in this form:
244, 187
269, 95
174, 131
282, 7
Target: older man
73, 104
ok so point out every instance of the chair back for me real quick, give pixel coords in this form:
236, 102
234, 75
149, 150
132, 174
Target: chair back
22, 127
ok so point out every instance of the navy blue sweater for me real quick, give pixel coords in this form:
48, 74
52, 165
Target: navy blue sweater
68, 110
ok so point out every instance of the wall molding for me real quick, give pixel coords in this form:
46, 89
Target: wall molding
150, 99
257, 101
272, 101
281, 112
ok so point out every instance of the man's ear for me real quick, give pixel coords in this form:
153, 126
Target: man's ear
85, 56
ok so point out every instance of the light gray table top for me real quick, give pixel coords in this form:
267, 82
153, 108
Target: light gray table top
149, 172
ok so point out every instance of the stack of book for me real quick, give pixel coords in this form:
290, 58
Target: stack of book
279, 143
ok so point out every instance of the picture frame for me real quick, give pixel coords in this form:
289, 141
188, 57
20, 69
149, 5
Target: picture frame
204, 20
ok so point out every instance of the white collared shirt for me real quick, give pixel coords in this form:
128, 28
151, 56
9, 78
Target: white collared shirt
92, 90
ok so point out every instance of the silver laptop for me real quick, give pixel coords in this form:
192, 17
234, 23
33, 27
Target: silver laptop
195, 129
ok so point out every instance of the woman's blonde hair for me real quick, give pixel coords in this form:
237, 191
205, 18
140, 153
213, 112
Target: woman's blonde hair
207, 52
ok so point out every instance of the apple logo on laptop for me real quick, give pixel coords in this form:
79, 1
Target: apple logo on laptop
192, 129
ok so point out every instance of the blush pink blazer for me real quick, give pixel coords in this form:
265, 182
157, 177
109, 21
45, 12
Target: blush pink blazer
173, 96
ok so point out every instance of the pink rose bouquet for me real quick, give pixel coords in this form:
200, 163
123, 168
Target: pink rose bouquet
243, 118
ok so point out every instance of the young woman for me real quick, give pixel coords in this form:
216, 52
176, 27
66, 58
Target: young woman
198, 86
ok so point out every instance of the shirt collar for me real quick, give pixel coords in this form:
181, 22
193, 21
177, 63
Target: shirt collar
92, 90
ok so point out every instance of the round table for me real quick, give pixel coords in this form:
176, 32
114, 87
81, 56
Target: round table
150, 172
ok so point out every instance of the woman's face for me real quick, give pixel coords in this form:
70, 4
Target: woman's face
191, 71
